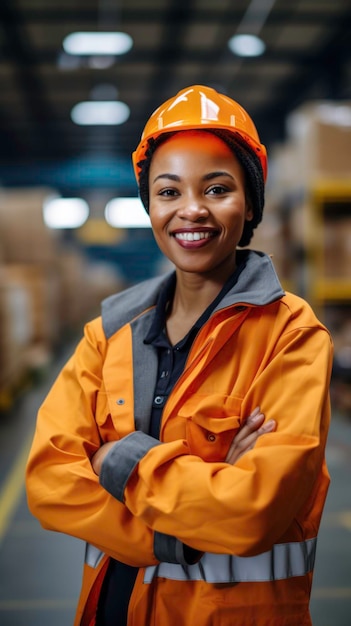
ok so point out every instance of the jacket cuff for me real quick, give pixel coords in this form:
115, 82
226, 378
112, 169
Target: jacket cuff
168, 549
122, 459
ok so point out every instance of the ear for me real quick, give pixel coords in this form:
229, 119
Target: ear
248, 210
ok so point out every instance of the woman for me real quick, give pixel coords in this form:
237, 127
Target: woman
191, 512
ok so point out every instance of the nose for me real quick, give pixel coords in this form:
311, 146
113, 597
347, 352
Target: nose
193, 208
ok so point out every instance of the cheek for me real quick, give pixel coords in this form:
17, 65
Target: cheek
155, 219
235, 213
160, 213
158, 225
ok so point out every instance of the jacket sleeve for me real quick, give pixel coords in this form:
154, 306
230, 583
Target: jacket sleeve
62, 489
246, 508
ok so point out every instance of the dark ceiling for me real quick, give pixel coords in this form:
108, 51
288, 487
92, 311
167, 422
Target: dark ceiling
176, 43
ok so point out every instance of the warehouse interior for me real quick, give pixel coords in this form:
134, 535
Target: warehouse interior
296, 85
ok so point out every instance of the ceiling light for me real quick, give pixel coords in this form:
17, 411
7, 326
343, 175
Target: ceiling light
100, 113
82, 43
246, 45
65, 212
126, 213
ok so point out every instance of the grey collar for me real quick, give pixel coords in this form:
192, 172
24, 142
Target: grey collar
257, 285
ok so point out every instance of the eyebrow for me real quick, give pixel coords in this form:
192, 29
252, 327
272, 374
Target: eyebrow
169, 177
212, 175
209, 176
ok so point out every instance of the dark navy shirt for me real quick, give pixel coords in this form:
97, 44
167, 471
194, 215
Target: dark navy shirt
120, 578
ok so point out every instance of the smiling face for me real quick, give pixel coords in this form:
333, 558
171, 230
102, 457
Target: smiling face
197, 203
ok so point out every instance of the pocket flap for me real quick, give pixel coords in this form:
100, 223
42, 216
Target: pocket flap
215, 412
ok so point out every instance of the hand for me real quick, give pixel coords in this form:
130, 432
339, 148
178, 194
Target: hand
247, 436
97, 459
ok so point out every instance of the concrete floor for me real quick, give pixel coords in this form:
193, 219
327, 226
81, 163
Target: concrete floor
40, 571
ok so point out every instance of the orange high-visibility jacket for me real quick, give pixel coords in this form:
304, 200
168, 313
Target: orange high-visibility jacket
253, 524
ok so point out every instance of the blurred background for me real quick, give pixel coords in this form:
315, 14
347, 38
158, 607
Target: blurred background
78, 80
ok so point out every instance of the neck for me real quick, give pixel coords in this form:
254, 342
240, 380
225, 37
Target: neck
195, 292
192, 296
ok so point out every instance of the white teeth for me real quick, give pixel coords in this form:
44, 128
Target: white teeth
194, 236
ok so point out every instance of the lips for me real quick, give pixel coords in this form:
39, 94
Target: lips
194, 238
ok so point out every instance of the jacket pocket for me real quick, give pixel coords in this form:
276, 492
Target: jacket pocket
104, 419
211, 424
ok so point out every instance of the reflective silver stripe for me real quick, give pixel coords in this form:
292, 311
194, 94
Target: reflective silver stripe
285, 560
93, 556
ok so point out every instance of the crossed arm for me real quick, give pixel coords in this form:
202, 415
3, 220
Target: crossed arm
244, 440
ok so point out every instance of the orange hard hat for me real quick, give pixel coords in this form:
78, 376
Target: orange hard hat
200, 107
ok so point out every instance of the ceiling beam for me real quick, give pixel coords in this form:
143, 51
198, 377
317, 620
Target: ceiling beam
31, 88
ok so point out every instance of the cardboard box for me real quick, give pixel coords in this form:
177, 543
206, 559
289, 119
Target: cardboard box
337, 248
24, 236
16, 329
42, 285
319, 138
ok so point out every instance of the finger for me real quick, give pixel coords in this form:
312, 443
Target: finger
240, 446
253, 423
254, 417
267, 427
254, 412
251, 435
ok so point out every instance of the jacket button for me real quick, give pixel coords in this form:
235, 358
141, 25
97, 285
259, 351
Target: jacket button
158, 400
211, 437
120, 401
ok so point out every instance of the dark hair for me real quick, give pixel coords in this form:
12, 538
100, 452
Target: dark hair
250, 162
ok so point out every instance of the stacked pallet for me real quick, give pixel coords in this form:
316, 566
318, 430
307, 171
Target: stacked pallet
47, 290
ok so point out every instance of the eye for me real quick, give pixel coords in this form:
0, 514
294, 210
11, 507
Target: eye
168, 192
217, 190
